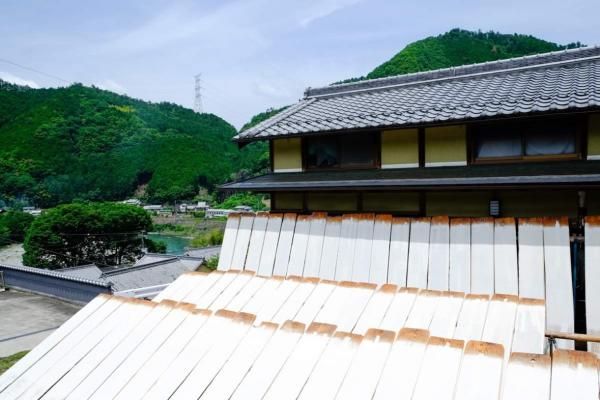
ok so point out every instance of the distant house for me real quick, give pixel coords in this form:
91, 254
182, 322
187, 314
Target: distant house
133, 202
32, 210
243, 208
217, 212
152, 207
516, 137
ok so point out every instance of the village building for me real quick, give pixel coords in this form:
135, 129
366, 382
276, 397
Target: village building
517, 137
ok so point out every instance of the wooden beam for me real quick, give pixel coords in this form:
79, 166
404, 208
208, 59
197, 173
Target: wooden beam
581, 337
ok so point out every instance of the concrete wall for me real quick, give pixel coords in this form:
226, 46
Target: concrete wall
446, 145
594, 137
287, 155
400, 148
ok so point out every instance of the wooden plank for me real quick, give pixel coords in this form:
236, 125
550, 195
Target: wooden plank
460, 255
246, 294
197, 365
160, 361
471, 319
531, 258
527, 377
559, 293
138, 311
257, 239
299, 246
276, 300
331, 368
297, 369
242, 242
574, 375
404, 361
423, 309
439, 254
228, 246
267, 257
530, 326
446, 314
313, 304
262, 296
480, 372
136, 359
284, 246
295, 301
239, 282
381, 249
482, 255
397, 313
216, 289
345, 305
506, 276
242, 359
331, 243
364, 372
345, 259
376, 308
361, 264
63, 363
592, 279
500, 321
441, 362
112, 361
266, 367
398, 260
418, 253
315, 245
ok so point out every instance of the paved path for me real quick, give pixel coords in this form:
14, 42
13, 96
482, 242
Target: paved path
26, 319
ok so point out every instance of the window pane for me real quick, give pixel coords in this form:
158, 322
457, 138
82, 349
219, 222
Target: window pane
322, 152
497, 143
357, 149
549, 143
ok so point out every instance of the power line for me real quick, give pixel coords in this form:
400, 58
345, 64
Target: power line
34, 70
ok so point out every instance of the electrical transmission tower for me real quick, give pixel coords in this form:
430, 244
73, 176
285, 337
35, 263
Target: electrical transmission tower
198, 99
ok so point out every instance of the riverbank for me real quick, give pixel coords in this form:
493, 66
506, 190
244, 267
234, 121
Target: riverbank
12, 254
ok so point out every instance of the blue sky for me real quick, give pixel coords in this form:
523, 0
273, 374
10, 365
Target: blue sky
253, 54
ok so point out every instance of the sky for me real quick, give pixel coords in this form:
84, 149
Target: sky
252, 54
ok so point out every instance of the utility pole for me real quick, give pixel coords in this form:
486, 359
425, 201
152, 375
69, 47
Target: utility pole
198, 99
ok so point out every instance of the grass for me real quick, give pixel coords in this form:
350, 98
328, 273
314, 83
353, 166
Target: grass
7, 362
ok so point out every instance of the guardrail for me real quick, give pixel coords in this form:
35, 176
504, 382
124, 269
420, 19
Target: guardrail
52, 283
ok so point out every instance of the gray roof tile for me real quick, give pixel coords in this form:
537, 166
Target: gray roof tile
555, 81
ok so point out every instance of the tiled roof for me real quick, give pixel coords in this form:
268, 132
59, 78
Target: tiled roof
90, 271
565, 80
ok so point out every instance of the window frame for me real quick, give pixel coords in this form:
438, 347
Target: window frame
521, 127
375, 157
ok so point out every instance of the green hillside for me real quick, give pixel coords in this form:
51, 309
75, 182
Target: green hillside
461, 47
59, 145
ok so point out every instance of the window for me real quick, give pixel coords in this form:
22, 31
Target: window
342, 151
530, 140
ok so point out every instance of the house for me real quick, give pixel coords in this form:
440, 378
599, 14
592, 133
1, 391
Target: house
132, 202
517, 137
217, 212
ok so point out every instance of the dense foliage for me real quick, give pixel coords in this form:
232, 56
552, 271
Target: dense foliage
243, 199
13, 226
65, 144
83, 233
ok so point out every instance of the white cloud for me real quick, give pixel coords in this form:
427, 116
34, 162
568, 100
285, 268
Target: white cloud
109, 84
8, 77
322, 9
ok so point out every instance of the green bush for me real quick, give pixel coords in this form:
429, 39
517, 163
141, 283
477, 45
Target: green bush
17, 223
212, 263
211, 238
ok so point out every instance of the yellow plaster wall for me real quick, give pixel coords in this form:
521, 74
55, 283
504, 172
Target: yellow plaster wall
401, 202
445, 145
287, 155
400, 148
594, 137
316, 201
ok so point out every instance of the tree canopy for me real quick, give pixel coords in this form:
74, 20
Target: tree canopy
106, 234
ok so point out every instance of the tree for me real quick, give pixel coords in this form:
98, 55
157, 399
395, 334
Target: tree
156, 246
17, 223
79, 233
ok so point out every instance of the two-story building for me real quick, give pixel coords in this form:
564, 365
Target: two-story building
517, 137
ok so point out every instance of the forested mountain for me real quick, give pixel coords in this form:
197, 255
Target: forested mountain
59, 145
461, 47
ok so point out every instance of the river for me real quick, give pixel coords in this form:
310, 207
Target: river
175, 244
